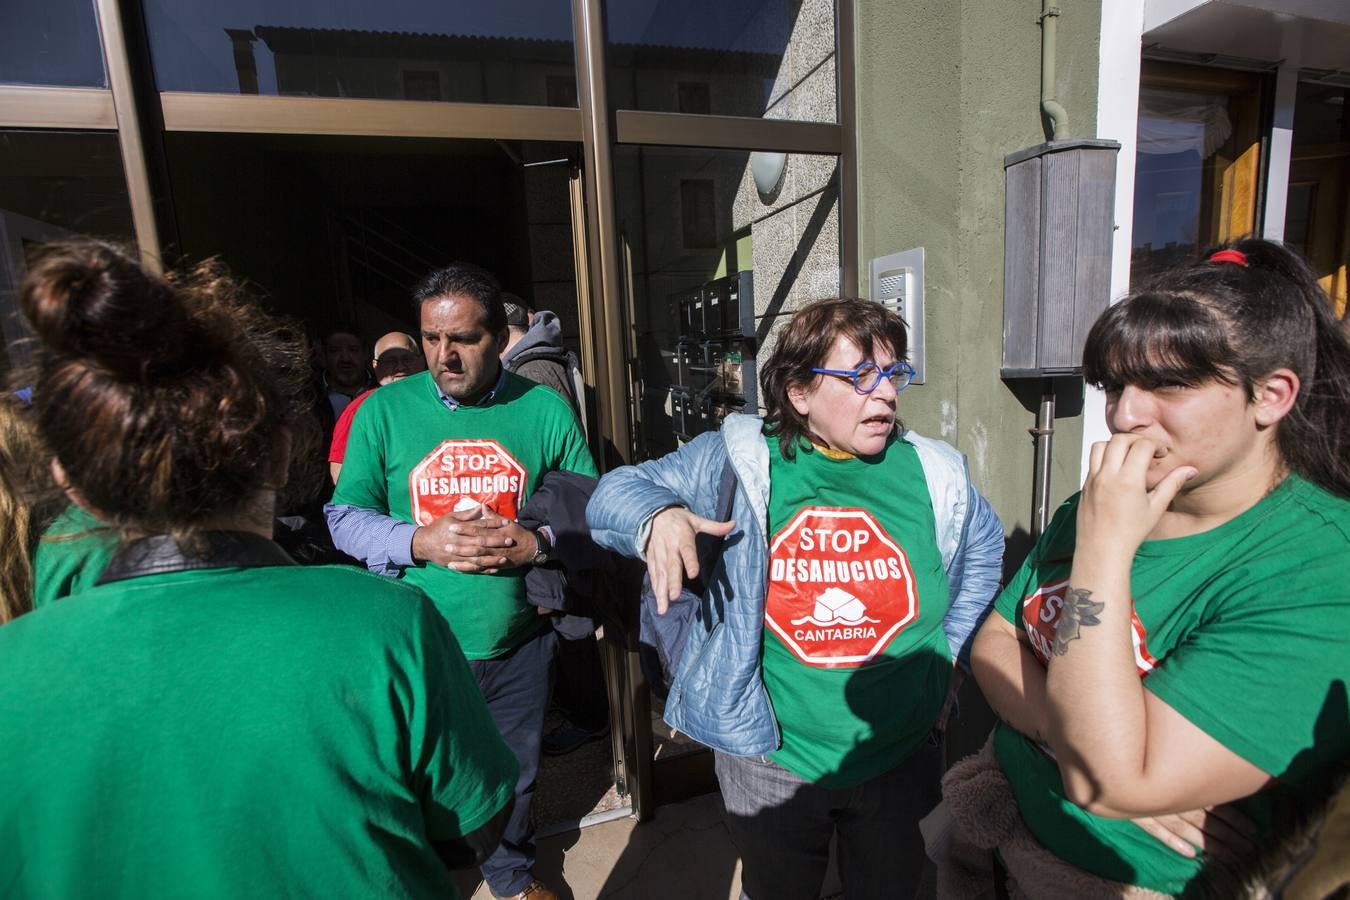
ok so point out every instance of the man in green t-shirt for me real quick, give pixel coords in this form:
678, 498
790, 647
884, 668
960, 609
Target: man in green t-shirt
437, 467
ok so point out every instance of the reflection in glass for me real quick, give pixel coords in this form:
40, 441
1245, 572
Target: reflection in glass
1317, 212
1319, 114
53, 185
772, 59
711, 266
1298, 215
51, 42
1179, 135
509, 51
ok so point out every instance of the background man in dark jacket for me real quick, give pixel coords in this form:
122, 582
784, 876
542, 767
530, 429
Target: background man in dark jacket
535, 350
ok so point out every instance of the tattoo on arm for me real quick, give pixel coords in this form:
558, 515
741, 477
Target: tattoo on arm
1080, 611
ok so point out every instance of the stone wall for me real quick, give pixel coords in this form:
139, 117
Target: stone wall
795, 229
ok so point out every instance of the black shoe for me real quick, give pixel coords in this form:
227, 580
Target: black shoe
568, 737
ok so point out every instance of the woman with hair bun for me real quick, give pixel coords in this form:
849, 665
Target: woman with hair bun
210, 718
1177, 640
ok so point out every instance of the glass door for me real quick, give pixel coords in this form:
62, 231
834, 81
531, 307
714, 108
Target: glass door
717, 249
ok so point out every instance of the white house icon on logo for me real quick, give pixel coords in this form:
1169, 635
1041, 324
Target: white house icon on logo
837, 606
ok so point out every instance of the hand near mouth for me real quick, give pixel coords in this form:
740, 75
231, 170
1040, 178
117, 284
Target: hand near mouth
1118, 510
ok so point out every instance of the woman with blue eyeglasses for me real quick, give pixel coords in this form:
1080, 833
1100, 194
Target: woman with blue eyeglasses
857, 561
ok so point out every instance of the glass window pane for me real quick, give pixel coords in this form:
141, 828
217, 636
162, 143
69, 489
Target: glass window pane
1198, 162
1319, 114
52, 43
772, 59
53, 185
1298, 215
1317, 216
714, 264
1180, 134
510, 51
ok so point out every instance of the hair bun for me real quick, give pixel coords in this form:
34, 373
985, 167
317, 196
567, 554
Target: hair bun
89, 301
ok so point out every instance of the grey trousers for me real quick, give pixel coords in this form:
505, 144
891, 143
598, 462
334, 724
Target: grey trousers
782, 826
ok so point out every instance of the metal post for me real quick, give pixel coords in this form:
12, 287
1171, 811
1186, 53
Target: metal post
1054, 111
845, 42
592, 97
1043, 436
581, 255
630, 704
134, 163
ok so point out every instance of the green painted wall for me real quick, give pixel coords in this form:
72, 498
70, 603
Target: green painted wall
946, 88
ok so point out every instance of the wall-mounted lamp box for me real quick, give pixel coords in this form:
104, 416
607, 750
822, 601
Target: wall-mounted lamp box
1058, 219
897, 283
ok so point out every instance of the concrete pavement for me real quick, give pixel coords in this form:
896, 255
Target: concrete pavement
683, 852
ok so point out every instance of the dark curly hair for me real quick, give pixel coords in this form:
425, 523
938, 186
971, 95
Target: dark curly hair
805, 343
464, 280
164, 398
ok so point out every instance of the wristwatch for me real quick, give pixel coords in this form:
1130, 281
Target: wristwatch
543, 548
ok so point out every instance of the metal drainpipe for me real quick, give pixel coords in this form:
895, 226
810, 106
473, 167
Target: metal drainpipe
1044, 433
1059, 116
1043, 436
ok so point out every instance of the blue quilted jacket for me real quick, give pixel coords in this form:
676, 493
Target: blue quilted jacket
718, 696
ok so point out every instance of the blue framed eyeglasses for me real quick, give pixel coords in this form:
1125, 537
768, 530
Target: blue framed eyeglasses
868, 375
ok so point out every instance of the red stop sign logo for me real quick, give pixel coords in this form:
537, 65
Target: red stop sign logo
1040, 618
461, 475
840, 589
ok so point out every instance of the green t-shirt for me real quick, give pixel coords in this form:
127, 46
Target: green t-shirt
414, 459
70, 555
855, 661
279, 731
1242, 629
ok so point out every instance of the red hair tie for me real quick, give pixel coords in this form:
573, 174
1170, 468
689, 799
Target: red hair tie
1232, 256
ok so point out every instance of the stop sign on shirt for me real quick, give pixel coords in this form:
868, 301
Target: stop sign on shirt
1041, 610
461, 475
840, 589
